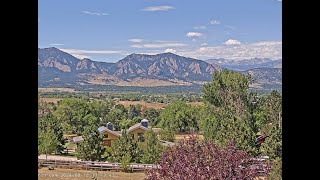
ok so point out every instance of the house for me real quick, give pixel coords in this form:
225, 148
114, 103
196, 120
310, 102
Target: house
136, 132
109, 134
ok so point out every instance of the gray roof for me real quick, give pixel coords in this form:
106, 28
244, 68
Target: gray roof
102, 128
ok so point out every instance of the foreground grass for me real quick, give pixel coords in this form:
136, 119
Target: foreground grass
71, 174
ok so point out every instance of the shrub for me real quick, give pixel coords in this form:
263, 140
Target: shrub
192, 159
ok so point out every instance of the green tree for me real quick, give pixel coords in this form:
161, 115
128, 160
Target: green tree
134, 111
115, 116
272, 146
124, 149
151, 148
230, 117
167, 135
152, 115
228, 89
50, 123
70, 113
126, 123
179, 117
100, 108
268, 111
91, 148
226, 127
47, 142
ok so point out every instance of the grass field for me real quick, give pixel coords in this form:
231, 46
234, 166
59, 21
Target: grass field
154, 105
178, 137
71, 174
126, 104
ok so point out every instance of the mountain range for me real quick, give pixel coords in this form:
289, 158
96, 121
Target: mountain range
246, 64
57, 68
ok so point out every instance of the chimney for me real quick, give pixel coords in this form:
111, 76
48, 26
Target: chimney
110, 126
144, 123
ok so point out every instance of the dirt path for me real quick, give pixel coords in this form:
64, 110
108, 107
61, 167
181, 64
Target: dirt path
71, 174
52, 157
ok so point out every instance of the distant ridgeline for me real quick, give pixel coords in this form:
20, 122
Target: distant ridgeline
161, 73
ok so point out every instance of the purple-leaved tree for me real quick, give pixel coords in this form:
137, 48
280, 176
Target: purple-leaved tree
199, 160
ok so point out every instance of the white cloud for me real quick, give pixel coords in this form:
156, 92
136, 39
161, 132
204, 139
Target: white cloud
194, 34
215, 22
170, 50
80, 51
200, 27
158, 8
163, 44
204, 44
95, 13
232, 42
264, 49
136, 40
137, 46
56, 44
230, 27
80, 56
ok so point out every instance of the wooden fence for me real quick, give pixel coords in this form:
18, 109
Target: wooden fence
91, 165
257, 164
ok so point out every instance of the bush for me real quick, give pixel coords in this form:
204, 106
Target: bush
166, 135
125, 162
192, 159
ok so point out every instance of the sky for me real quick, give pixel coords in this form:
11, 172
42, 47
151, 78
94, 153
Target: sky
109, 30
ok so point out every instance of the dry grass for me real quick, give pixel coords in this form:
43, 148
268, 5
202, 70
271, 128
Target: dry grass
71, 174
56, 90
53, 100
154, 105
145, 83
143, 103
178, 137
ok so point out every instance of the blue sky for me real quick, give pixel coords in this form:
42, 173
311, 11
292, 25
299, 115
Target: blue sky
108, 30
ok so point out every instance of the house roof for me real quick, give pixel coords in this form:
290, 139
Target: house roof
104, 129
136, 126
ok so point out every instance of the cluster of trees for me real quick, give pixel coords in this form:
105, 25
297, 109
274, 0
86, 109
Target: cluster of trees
231, 113
127, 150
83, 117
